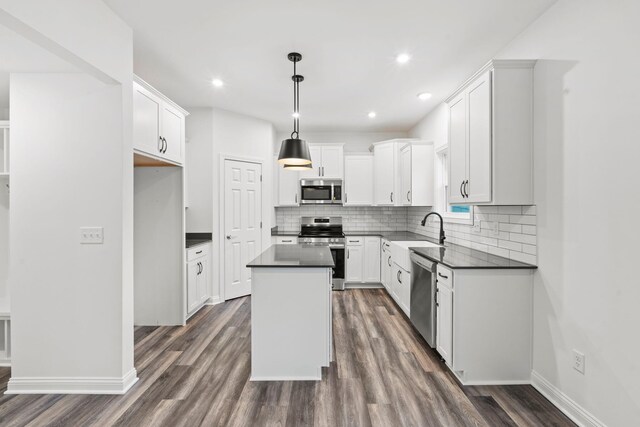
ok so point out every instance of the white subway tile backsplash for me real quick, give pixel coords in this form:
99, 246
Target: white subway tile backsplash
516, 238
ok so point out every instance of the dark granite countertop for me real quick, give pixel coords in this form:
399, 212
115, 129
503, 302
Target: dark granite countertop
276, 232
454, 256
195, 239
302, 256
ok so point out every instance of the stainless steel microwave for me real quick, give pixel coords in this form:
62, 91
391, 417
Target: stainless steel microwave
320, 191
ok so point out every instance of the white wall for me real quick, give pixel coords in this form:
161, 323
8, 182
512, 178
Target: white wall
93, 186
199, 170
355, 142
213, 133
434, 127
586, 155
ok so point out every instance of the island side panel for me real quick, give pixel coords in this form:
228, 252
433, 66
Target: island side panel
290, 323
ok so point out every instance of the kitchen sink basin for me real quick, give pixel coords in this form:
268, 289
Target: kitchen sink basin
416, 244
400, 252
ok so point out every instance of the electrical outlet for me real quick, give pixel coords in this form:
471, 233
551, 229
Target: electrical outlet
492, 226
578, 361
476, 227
91, 235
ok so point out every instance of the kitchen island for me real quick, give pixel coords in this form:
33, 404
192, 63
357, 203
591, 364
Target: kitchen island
291, 313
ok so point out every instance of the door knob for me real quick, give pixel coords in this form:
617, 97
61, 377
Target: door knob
228, 237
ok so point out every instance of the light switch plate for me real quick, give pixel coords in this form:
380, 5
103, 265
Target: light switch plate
476, 227
91, 235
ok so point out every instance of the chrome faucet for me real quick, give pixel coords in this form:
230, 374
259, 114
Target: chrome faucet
424, 221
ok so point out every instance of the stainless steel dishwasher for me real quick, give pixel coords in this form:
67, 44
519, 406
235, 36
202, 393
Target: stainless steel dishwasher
423, 297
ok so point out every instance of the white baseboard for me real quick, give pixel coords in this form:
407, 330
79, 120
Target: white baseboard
355, 285
80, 385
568, 406
214, 300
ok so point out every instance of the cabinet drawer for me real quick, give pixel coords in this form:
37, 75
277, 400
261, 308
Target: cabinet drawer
198, 252
445, 276
355, 241
287, 240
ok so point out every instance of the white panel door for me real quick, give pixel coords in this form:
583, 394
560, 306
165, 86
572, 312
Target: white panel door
384, 174
242, 218
358, 180
146, 121
172, 132
479, 143
316, 162
457, 148
332, 162
372, 260
355, 263
405, 177
444, 322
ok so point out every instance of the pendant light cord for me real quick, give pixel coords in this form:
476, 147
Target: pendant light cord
296, 103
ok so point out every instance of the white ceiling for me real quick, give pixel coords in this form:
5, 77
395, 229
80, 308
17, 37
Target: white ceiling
348, 48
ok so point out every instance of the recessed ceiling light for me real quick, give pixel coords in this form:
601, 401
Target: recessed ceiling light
217, 82
424, 96
295, 115
403, 58
372, 114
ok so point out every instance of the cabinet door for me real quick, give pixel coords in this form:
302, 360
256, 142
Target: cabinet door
332, 162
173, 133
288, 186
316, 162
405, 177
358, 180
355, 259
202, 283
383, 266
384, 174
146, 121
193, 268
444, 322
479, 142
371, 260
457, 148
402, 287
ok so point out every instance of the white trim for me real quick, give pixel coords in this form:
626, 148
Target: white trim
214, 300
363, 285
221, 210
70, 385
285, 378
159, 94
568, 406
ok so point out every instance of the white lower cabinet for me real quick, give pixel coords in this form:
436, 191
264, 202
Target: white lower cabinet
362, 259
198, 275
483, 324
385, 265
401, 289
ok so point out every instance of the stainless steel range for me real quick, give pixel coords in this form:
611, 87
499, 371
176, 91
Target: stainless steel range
326, 231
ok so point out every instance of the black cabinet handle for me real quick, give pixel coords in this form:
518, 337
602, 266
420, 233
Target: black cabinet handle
436, 298
199, 252
398, 275
345, 197
166, 146
391, 197
347, 253
409, 196
462, 185
389, 262
442, 275
296, 198
160, 144
466, 193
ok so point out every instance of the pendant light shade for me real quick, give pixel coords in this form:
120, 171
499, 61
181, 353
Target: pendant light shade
294, 152
298, 167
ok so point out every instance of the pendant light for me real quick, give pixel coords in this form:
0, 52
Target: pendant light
294, 152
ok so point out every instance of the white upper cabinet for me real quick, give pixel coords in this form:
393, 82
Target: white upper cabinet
384, 173
403, 173
327, 161
491, 136
288, 185
358, 180
158, 124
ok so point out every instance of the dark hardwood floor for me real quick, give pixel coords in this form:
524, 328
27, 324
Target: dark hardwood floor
383, 375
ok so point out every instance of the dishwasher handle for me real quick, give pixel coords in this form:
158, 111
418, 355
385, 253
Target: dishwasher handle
423, 262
